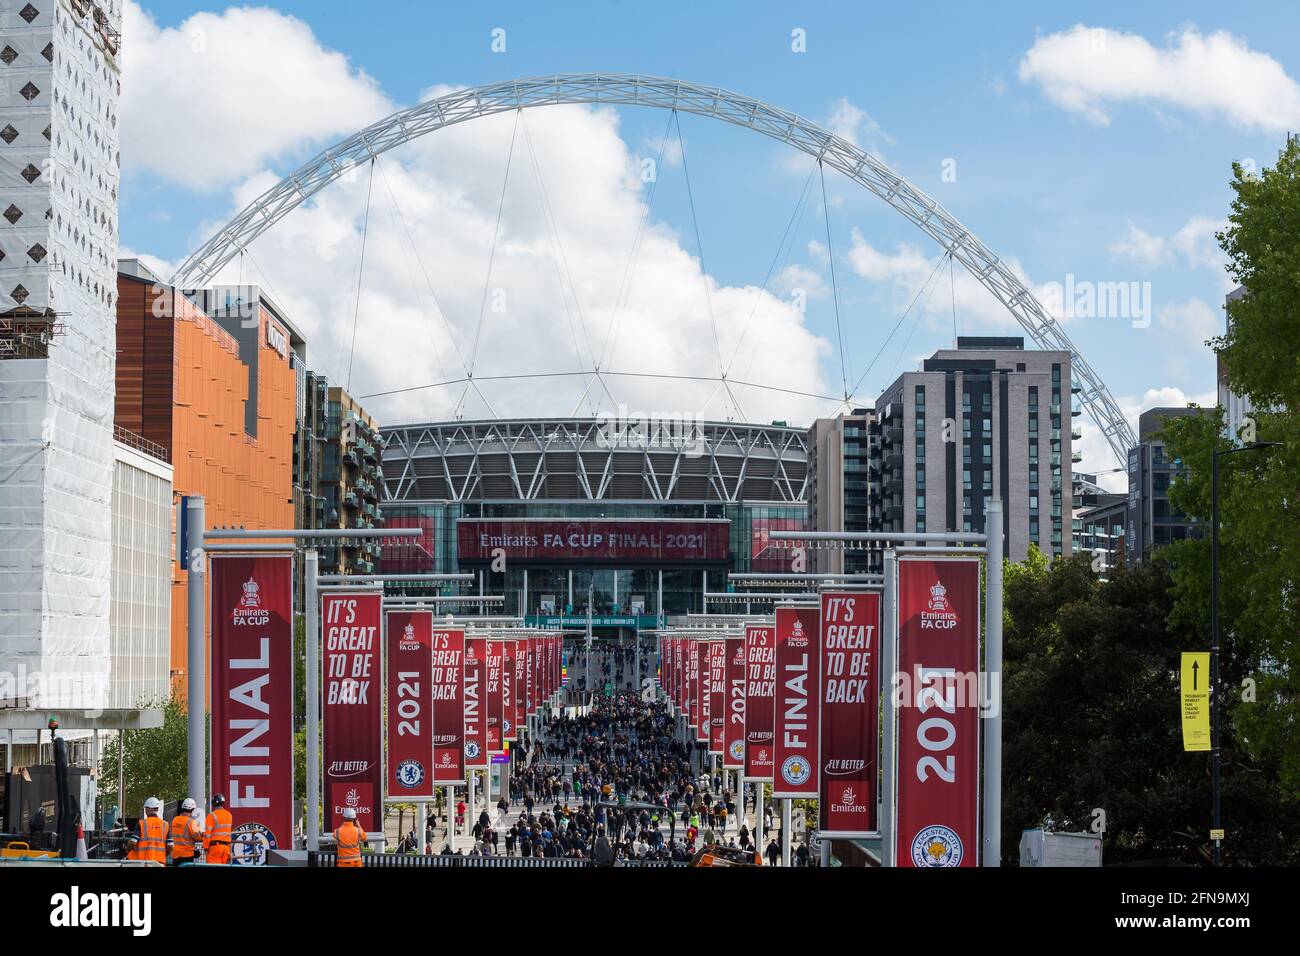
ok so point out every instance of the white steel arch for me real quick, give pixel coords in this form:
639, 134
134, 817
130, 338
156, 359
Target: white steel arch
619, 89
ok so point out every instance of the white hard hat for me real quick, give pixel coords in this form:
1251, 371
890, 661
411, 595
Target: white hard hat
349, 813
188, 804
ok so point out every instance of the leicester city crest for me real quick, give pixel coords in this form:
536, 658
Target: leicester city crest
936, 846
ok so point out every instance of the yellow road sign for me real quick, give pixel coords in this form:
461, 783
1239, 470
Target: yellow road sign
1196, 700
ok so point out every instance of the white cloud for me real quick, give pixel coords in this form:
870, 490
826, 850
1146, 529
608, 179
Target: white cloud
908, 268
1193, 245
1194, 320
220, 95
800, 278
855, 125
1087, 70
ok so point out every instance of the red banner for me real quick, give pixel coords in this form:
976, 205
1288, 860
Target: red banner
493, 698
251, 608
473, 689
448, 706
760, 702
508, 689
717, 696
353, 733
938, 715
559, 541
850, 695
409, 643
521, 687
733, 740
530, 676
703, 692
797, 706
692, 684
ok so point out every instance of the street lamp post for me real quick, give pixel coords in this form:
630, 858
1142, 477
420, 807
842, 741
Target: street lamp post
1216, 752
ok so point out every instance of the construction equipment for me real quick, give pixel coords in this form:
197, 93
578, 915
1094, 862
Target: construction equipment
718, 855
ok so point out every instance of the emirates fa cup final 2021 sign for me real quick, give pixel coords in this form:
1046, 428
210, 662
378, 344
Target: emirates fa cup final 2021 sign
850, 702
252, 699
938, 766
798, 708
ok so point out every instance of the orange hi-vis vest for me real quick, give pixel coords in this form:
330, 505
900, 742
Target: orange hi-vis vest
216, 836
218, 828
151, 843
349, 837
185, 833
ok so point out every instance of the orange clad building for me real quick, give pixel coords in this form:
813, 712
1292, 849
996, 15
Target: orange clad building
219, 393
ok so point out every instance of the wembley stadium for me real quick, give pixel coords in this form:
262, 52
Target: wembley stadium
587, 521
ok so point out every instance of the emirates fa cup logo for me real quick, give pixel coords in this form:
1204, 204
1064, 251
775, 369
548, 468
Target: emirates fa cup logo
252, 597
938, 597
408, 632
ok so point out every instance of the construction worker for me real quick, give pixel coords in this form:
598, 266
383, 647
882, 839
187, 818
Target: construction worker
149, 842
185, 838
348, 838
216, 832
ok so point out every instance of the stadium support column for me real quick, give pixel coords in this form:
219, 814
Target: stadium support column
197, 627
993, 676
759, 835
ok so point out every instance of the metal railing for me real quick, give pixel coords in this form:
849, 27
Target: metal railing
141, 444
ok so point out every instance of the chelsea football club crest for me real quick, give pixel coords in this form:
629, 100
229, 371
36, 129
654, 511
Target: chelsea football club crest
506, 726
936, 846
471, 749
249, 843
410, 773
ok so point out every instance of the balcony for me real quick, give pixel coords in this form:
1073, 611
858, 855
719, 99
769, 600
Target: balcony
1076, 457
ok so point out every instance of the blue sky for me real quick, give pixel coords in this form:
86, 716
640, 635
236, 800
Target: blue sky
1110, 169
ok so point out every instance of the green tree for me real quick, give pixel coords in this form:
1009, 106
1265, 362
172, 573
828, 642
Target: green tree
1092, 735
1259, 555
156, 762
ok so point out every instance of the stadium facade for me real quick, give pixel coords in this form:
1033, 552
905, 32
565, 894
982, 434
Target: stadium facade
569, 516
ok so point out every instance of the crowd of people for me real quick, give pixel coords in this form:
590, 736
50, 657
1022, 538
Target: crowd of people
614, 664
614, 784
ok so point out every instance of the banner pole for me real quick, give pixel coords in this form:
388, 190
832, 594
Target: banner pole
311, 632
197, 622
993, 676
889, 662
785, 830
759, 834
